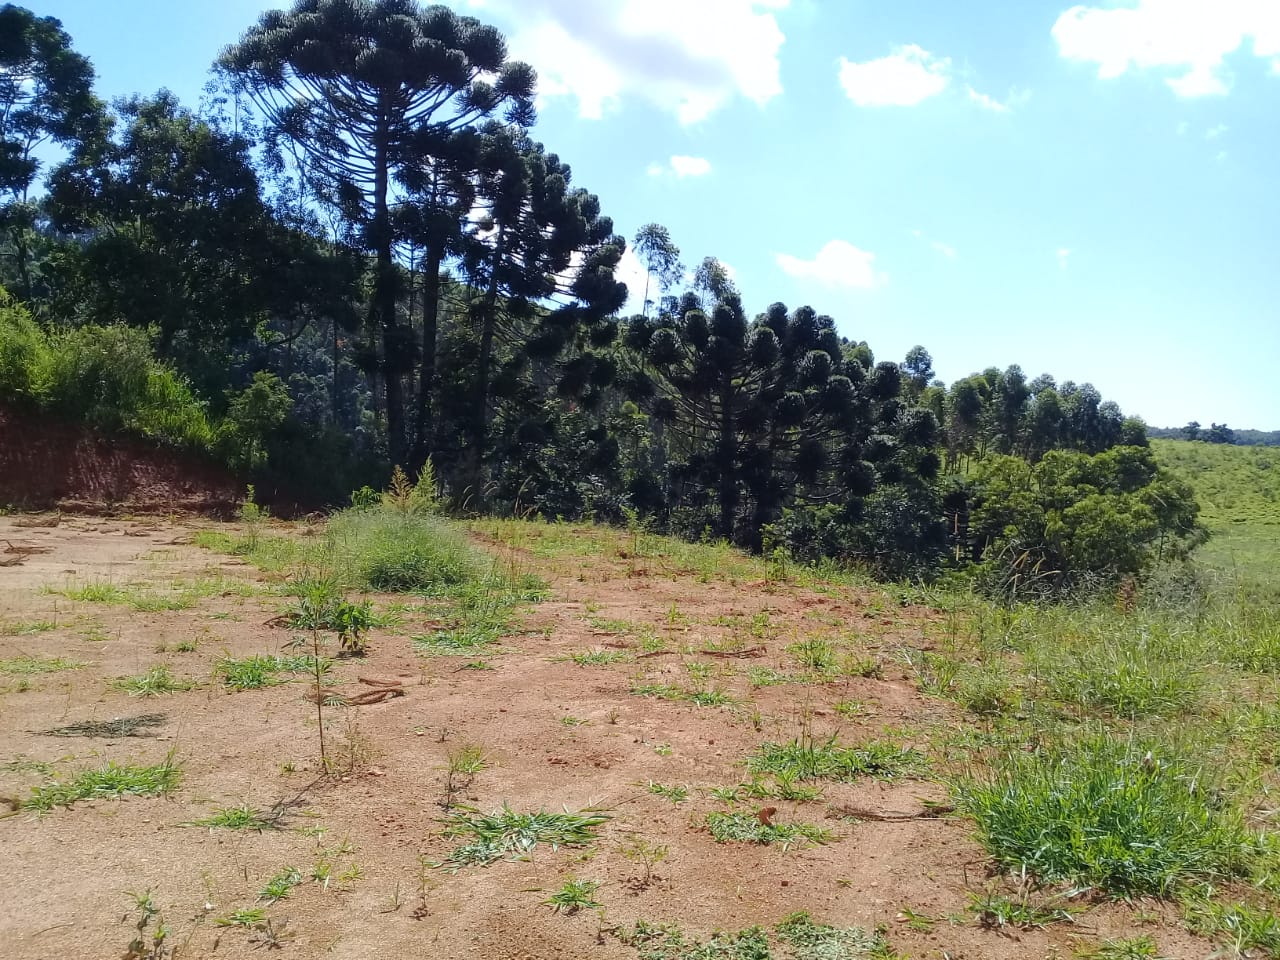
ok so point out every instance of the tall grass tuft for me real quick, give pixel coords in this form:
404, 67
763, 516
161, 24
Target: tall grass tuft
1112, 815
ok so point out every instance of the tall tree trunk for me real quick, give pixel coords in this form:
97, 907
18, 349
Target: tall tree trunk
427, 372
484, 362
727, 454
385, 293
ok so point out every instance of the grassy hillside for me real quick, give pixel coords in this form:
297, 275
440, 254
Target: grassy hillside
1239, 493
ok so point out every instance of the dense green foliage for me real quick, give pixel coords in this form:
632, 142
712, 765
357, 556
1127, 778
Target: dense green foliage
354, 256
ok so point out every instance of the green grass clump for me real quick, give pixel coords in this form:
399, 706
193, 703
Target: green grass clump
154, 683
507, 833
1246, 928
1123, 948
1102, 813
251, 673
96, 591
575, 895
109, 782
278, 886
748, 828
808, 759
24, 665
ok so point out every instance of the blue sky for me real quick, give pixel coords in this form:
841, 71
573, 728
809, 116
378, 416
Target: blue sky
1089, 191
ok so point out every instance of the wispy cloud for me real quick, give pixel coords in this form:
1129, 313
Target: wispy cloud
838, 264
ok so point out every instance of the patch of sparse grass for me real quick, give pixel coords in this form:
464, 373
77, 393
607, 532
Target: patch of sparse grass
807, 758
1246, 928
809, 940
506, 833
1104, 813
157, 681
814, 653
1123, 679
751, 828
243, 817
25, 628
599, 657
463, 640
109, 782
259, 670
575, 895
699, 696
668, 942
768, 677
1123, 948
798, 937
24, 665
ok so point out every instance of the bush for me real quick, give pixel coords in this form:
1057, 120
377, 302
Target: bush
392, 551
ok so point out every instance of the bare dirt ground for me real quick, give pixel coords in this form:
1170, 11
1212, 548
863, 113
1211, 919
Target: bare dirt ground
556, 735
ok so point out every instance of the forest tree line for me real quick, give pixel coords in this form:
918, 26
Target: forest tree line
352, 254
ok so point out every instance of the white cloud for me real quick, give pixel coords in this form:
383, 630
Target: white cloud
986, 102
838, 264
1064, 255
1190, 37
945, 249
690, 58
631, 272
904, 78
690, 166
1214, 132
1183, 127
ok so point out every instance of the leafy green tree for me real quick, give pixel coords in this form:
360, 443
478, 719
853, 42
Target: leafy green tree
46, 96
917, 368
661, 259
352, 82
540, 264
171, 233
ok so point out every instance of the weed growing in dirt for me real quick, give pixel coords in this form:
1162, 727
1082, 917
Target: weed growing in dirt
278, 887
464, 763
599, 657
676, 793
148, 943
647, 854
251, 673
758, 828
996, 911
23, 665
668, 942
1124, 680
110, 782
507, 833
1105, 813
156, 682
246, 917
575, 895
807, 758
243, 817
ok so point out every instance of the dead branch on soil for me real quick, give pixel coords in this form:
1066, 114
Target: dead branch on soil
381, 691
934, 811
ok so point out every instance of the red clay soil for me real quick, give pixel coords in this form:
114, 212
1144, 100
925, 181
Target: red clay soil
47, 463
